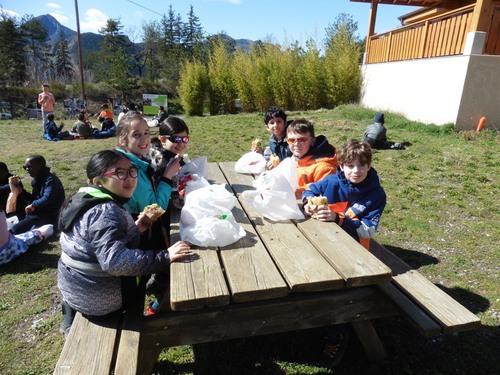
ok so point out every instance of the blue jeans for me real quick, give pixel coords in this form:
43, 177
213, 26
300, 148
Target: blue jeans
44, 119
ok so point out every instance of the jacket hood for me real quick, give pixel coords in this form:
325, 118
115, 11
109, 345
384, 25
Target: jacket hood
82, 201
379, 117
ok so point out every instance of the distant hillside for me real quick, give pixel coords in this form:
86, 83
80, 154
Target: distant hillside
92, 41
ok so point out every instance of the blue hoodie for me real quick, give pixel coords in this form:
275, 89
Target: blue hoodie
362, 204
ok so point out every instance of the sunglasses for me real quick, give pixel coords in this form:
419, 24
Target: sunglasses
177, 139
291, 141
123, 173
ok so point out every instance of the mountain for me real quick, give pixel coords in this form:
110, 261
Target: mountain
54, 28
92, 41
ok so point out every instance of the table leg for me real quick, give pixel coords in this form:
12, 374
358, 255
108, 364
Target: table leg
370, 340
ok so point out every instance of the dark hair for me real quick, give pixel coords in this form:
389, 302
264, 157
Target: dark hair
38, 160
353, 149
81, 116
132, 106
4, 167
162, 108
104, 106
102, 161
123, 126
51, 116
301, 126
173, 125
274, 111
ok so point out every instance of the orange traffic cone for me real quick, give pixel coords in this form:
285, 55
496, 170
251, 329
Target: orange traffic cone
480, 124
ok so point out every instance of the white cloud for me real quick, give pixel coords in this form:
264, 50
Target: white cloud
9, 13
60, 17
54, 5
93, 20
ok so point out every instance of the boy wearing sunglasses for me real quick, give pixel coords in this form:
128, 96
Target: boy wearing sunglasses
316, 157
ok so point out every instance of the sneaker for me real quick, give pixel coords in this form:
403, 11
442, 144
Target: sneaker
46, 230
335, 345
151, 311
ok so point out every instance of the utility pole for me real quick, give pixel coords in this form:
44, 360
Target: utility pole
82, 81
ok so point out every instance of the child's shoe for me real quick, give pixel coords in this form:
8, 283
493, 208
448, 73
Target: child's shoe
153, 308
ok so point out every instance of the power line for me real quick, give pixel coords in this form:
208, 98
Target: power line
143, 7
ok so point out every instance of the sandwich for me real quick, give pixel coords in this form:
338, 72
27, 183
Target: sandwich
315, 202
153, 211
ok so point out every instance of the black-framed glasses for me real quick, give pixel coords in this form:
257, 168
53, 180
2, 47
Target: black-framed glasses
27, 166
177, 139
123, 173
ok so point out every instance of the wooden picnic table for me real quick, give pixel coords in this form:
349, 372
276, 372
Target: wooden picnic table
281, 276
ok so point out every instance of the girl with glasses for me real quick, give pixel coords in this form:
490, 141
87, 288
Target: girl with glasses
100, 242
316, 157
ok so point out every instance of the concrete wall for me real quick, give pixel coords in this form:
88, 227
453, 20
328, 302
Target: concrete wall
481, 94
455, 89
425, 90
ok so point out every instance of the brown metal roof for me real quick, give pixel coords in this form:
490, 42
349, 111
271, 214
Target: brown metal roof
421, 3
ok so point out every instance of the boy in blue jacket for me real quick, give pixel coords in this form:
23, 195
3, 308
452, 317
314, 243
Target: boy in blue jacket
356, 201
276, 124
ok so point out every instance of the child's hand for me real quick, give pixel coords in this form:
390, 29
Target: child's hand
178, 251
309, 210
323, 213
173, 166
143, 222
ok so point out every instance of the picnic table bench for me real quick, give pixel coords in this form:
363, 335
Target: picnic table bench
281, 276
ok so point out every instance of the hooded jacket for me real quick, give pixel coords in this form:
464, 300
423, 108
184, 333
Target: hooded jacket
99, 239
146, 192
320, 161
279, 147
358, 206
47, 195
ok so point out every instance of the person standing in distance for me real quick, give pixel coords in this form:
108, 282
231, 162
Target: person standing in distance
47, 102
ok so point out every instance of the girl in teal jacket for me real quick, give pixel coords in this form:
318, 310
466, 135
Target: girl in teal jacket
134, 141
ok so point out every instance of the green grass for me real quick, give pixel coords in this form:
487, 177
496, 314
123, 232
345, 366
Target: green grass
442, 218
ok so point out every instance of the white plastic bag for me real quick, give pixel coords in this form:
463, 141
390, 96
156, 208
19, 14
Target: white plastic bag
251, 162
287, 168
207, 201
274, 199
221, 230
206, 218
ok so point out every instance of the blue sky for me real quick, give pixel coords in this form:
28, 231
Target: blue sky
276, 20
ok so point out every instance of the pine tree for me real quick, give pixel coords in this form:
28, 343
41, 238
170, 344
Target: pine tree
12, 53
65, 71
39, 64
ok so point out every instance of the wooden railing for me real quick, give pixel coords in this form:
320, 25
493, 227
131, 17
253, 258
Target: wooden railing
443, 35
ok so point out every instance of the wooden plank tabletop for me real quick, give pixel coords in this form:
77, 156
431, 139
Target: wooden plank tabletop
250, 271
302, 266
350, 260
199, 281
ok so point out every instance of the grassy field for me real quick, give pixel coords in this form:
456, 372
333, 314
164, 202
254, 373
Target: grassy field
442, 218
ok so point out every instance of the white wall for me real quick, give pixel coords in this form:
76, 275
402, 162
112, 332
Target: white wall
425, 90
455, 89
